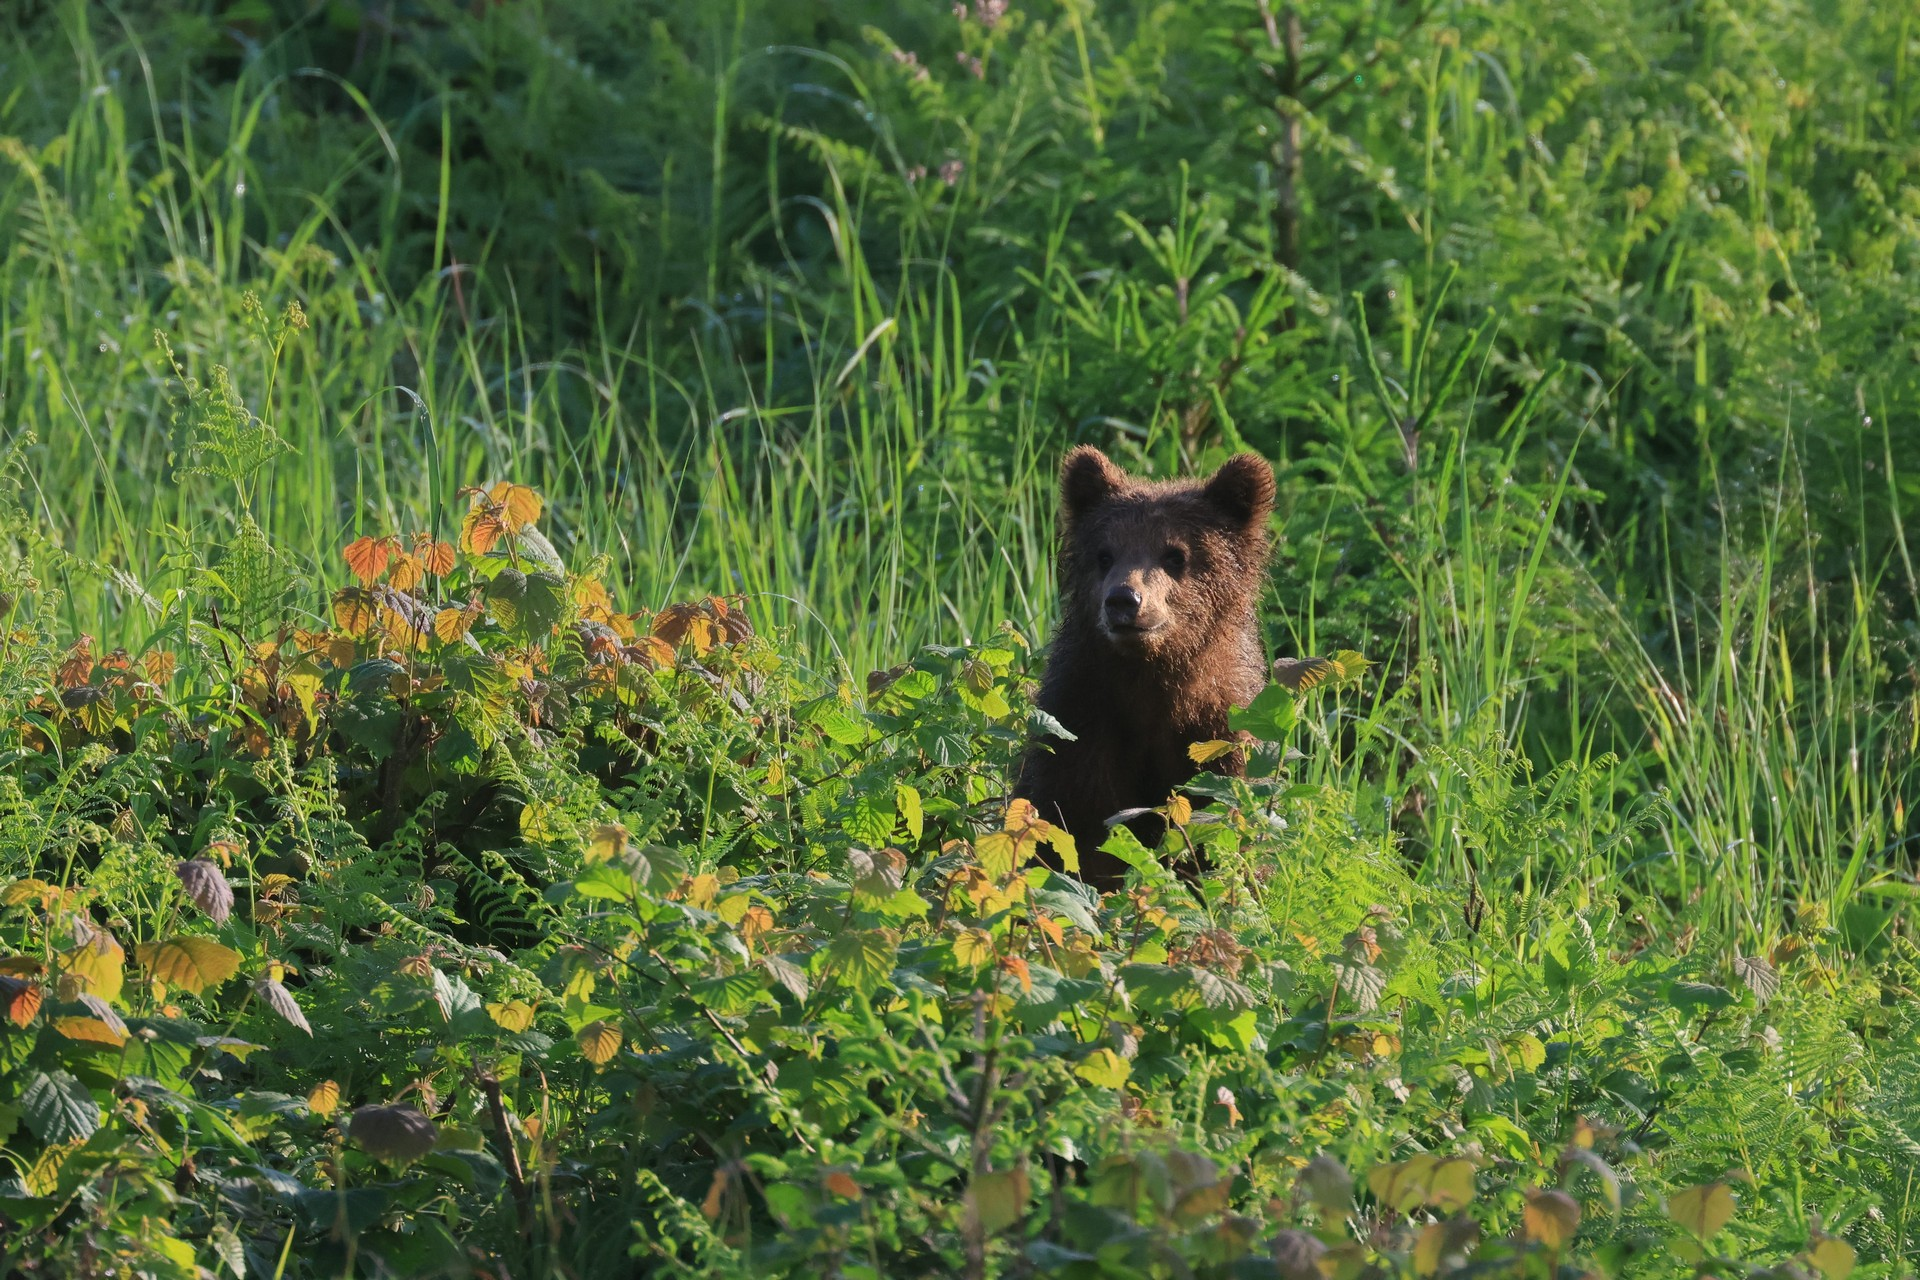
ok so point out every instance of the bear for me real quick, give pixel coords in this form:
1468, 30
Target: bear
1158, 637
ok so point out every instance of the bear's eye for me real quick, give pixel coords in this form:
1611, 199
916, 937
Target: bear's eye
1175, 560
1104, 559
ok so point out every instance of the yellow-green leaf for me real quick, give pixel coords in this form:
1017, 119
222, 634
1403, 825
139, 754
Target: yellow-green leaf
1208, 752
997, 1200
598, 1041
511, 1015
906, 801
1702, 1210
324, 1098
1104, 1069
192, 964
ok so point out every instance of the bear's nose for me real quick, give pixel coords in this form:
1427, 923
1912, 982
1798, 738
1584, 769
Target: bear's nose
1123, 606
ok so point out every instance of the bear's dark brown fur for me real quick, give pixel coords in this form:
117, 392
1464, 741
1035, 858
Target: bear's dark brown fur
1158, 637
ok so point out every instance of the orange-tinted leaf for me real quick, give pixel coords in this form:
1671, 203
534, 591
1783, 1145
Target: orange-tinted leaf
367, 557
355, 610
77, 667
1017, 966
590, 593
598, 1041
1551, 1217
324, 1098
192, 964
652, 651
91, 1031
159, 666
716, 1190
841, 1183
519, 506
406, 572
755, 922
480, 530
437, 558
30, 889
452, 625
20, 1000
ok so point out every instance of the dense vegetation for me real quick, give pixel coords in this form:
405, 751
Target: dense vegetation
526, 541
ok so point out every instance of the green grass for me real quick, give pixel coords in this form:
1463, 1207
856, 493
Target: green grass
1589, 389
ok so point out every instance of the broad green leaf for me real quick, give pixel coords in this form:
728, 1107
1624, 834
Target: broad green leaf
788, 974
58, 1108
906, 801
1270, 717
1760, 977
862, 958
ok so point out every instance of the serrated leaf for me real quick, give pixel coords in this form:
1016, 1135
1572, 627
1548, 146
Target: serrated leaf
598, 1042
1208, 752
1703, 1210
190, 963
1351, 665
20, 1000
1270, 717
367, 558
277, 998
206, 887
519, 506
1301, 674
1360, 983
1760, 977
91, 1030
973, 948
906, 802
58, 1108
862, 958
100, 964
788, 974
324, 1098
511, 1015
1217, 991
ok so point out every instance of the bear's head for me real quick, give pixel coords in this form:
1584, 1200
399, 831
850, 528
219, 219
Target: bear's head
1157, 569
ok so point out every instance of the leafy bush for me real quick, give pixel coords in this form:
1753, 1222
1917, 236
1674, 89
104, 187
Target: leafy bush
492, 930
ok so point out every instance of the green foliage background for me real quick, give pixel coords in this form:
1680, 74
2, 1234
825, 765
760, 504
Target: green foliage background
1580, 335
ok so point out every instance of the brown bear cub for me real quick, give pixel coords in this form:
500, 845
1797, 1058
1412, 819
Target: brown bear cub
1157, 639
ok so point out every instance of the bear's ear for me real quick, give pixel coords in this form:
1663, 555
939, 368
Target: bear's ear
1242, 489
1087, 479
